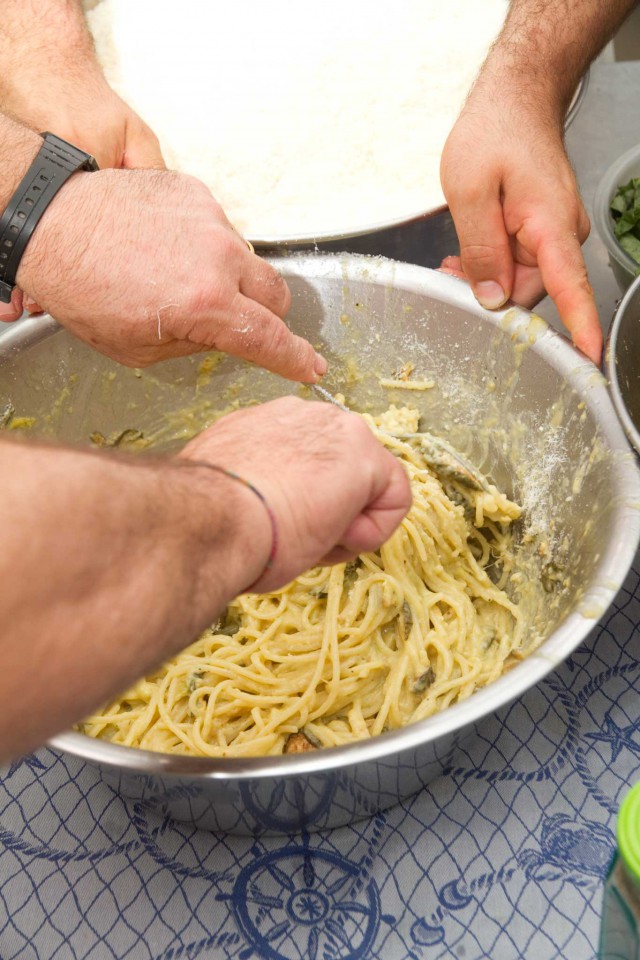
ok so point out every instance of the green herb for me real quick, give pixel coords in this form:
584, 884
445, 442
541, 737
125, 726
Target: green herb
625, 210
489, 638
407, 613
551, 577
7, 414
350, 574
119, 438
194, 680
228, 625
424, 681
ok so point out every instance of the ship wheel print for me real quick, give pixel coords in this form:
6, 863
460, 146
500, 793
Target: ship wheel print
291, 805
315, 905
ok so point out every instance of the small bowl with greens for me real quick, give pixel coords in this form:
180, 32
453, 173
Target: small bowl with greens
616, 214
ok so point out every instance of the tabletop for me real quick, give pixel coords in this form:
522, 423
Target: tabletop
503, 856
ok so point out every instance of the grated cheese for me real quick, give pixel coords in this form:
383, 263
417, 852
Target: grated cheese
303, 119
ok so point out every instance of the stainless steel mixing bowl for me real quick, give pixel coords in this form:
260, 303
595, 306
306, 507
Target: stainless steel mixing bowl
510, 393
622, 361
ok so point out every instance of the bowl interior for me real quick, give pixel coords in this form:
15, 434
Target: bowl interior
509, 393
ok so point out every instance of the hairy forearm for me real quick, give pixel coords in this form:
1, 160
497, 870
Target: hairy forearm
107, 567
42, 36
47, 58
50, 79
546, 45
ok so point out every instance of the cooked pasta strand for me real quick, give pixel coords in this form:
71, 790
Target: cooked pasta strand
348, 652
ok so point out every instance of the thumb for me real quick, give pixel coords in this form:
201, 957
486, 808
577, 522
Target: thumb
485, 251
142, 149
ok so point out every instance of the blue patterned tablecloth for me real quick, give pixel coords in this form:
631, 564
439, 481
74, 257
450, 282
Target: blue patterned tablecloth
503, 857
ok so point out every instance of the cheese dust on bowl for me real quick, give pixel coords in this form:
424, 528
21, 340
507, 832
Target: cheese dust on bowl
306, 120
508, 393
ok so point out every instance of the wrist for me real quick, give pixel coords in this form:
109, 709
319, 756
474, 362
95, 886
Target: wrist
55, 233
518, 94
238, 527
56, 161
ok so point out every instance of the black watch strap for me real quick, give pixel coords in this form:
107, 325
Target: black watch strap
52, 166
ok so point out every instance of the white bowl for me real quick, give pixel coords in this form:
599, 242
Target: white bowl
620, 172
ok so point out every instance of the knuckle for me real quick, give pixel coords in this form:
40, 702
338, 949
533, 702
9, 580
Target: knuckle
262, 339
198, 191
271, 289
467, 188
280, 290
577, 282
291, 405
209, 300
273, 338
226, 246
567, 249
480, 253
360, 432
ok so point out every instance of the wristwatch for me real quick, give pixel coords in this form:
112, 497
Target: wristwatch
52, 166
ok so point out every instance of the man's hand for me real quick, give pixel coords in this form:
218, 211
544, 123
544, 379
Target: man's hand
151, 551
334, 490
88, 114
50, 79
518, 214
505, 172
143, 265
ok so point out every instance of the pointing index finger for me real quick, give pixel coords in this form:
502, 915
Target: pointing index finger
259, 336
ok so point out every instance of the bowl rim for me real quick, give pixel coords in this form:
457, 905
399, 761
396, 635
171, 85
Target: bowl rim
615, 561
611, 365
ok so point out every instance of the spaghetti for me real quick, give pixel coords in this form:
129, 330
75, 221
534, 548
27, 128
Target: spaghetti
346, 652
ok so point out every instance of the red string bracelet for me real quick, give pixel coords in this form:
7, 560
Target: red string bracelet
263, 500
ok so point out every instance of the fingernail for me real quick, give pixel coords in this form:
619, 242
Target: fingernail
489, 294
7, 312
320, 366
